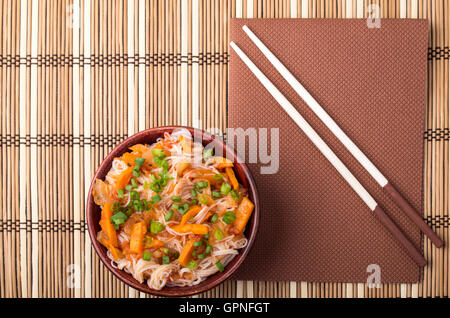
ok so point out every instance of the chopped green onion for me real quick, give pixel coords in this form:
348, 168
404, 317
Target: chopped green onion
136, 173
139, 161
134, 183
116, 206
128, 211
225, 188
201, 185
192, 265
164, 164
228, 217
134, 195
214, 218
147, 240
194, 193
120, 193
169, 215
216, 194
156, 227
158, 153
166, 260
208, 153
198, 243
218, 234
220, 266
218, 177
138, 205
156, 198
206, 236
157, 161
146, 185
155, 187
194, 253
201, 256
208, 249
128, 187
182, 209
118, 219
166, 251
203, 199
194, 202
176, 198
176, 255
235, 195
147, 256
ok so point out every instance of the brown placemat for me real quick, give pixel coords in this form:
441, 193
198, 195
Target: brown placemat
372, 81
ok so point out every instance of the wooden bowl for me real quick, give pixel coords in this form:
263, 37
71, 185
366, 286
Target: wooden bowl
242, 173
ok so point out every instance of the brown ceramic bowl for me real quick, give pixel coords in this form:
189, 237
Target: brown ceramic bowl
93, 213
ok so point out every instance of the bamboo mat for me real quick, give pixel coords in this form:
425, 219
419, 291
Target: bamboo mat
77, 77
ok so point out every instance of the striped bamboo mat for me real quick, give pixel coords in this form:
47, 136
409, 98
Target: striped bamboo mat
77, 77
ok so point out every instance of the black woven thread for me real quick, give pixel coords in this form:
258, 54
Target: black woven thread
42, 226
437, 134
438, 221
109, 60
438, 53
47, 140
112, 140
171, 59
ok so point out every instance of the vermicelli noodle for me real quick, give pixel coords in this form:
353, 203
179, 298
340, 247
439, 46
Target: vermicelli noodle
170, 220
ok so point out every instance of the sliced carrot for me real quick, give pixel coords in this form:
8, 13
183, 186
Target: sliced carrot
194, 228
181, 166
232, 178
139, 148
129, 158
171, 186
152, 242
163, 145
206, 174
190, 213
124, 178
107, 227
148, 156
206, 197
243, 213
137, 237
224, 165
186, 144
186, 252
103, 193
221, 162
115, 252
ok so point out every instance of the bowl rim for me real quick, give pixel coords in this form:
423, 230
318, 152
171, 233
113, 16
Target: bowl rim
213, 280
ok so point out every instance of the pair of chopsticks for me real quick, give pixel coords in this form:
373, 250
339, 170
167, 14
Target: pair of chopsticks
331, 156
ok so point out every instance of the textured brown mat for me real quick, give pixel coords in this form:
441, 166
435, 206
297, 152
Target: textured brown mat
373, 83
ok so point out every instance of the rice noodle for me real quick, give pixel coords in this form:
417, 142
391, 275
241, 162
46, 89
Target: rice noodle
158, 275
